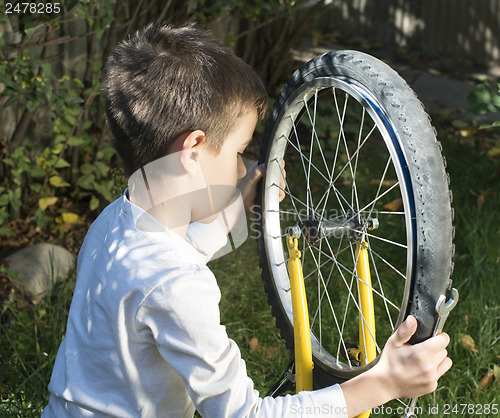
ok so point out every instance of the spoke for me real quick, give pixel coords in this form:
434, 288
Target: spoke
344, 319
315, 135
370, 287
352, 272
340, 244
282, 211
331, 305
292, 198
379, 197
342, 134
314, 271
332, 256
401, 402
298, 148
380, 185
283, 262
353, 155
354, 190
341, 130
323, 293
341, 123
388, 212
388, 264
287, 191
311, 163
385, 240
354, 193
320, 296
380, 285
351, 294
311, 146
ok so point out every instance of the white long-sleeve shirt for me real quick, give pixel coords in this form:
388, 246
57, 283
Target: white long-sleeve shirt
144, 336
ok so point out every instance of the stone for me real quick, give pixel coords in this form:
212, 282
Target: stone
38, 267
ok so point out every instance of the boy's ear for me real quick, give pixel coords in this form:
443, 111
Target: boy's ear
188, 144
188, 140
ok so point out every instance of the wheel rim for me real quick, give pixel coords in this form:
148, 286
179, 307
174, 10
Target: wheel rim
327, 158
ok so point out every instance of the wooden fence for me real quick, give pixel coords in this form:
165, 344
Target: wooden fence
467, 29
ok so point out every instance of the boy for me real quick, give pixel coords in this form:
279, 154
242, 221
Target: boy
143, 335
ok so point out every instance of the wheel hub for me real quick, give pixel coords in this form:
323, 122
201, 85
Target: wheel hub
351, 225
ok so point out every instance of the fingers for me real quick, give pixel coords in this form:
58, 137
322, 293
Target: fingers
248, 184
433, 356
413, 370
444, 366
404, 332
436, 343
255, 172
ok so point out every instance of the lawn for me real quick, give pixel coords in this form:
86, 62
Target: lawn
31, 333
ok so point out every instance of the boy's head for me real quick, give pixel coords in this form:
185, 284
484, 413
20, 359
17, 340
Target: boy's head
165, 81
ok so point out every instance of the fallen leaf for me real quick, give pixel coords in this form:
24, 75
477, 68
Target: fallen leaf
486, 380
468, 343
394, 205
480, 200
496, 372
254, 343
271, 351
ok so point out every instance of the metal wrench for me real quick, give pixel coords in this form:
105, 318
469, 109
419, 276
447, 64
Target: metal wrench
443, 308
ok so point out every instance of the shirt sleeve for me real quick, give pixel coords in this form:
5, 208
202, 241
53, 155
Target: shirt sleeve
182, 316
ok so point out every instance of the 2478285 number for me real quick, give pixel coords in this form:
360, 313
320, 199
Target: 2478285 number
33, 8
470, 409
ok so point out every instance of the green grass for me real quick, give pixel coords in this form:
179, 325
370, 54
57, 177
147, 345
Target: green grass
30, 335
29, 338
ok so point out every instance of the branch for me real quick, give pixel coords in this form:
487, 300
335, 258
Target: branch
133, 19
86, 105
164, 11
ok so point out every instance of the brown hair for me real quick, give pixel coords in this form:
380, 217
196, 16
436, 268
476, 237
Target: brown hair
164, 81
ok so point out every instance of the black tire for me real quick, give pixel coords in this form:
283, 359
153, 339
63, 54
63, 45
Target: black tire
401, 124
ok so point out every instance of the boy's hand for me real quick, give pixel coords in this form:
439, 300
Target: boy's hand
403, 371
248, 184
409, 371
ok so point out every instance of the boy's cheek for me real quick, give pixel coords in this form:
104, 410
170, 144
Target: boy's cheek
211, 201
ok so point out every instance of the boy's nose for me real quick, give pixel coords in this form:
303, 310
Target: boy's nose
242, 170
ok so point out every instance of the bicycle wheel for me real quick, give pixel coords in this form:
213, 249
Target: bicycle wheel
362, 166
